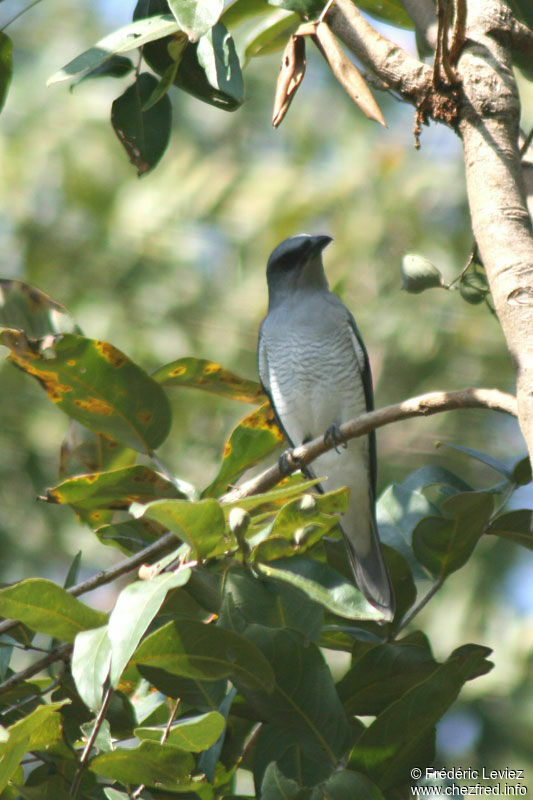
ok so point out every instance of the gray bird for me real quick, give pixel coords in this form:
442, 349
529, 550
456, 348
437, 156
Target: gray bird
314, 367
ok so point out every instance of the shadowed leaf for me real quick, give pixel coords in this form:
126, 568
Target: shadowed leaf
6, 66
517, 526
142, 129
27, 309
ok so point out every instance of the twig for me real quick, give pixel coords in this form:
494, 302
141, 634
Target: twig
19, 14
57, 654
76, 783
422, 406
164, 737
458, 31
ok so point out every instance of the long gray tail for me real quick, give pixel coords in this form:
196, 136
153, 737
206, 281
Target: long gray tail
371, 575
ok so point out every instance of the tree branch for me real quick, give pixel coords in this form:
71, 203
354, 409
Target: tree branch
422, 406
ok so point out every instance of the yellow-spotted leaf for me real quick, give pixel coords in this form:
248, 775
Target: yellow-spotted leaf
47, 608
255, 436
198, 373
116, 489
97, 385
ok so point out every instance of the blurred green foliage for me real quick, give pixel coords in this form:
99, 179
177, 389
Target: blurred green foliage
172, 266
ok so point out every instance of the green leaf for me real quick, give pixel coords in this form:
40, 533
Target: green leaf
134, 610
47, 608
444, 544
158, 765
251, 440
193, 735
344, 784
522, 8
37, 730
516, 526
144, 134
201, 524
241, 10
248, 599
127, 38
398, 511
274, 744
305, 8
522, 472
198, 373
116, 489
390, 11
204, 652
210, 70
97, 385
303, 700
419, 274
91, 659
435, 476
268, 36
474, 288
382, 673
25, 308
6, 66
196, 17
275, 786
322, 584
201, 695
484, 458
83, 451
402, 736
114, 67
167, 79
132, 535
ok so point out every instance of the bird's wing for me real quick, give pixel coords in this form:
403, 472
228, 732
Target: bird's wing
265, 379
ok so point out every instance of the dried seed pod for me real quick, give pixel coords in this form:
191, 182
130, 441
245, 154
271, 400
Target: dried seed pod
347, 73
291, 75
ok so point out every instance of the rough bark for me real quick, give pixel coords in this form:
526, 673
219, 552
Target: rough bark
486, 117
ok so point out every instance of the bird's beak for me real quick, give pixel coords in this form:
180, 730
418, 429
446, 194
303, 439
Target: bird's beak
318, 243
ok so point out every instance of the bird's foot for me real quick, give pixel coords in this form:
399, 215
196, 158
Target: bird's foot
333, 436
288, 462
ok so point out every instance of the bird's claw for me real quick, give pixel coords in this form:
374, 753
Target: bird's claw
287, 462
333, 436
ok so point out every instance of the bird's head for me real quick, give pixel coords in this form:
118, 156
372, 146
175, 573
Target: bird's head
296, 263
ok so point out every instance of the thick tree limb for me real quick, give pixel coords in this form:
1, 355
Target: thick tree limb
484, 109
423, 406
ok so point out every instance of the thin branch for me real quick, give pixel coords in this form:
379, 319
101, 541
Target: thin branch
422, 406
458, 32
60, 653
74, 789
18, 14
139, 790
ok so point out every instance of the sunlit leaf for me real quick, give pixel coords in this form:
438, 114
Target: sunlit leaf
239, 11
268, 36
210, 70
151, 763
196, 17
306, 8
144, 134
27, 309
91, 658
197, 373
134, 610
391, 11
251, 440
116, 489
47, 608
97, 385
444, 544
193, 735
201, 525
322, 584
127, 38
402, 736
204, 652
114, 67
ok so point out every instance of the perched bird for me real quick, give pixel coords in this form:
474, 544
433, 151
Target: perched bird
314, 367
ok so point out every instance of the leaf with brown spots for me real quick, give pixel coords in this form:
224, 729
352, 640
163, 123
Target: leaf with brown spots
251, 440
115, 489
97, 385
198, 373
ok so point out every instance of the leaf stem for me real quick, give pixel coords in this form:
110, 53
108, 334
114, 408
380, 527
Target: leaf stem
409, 617
19, 14
74, 789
